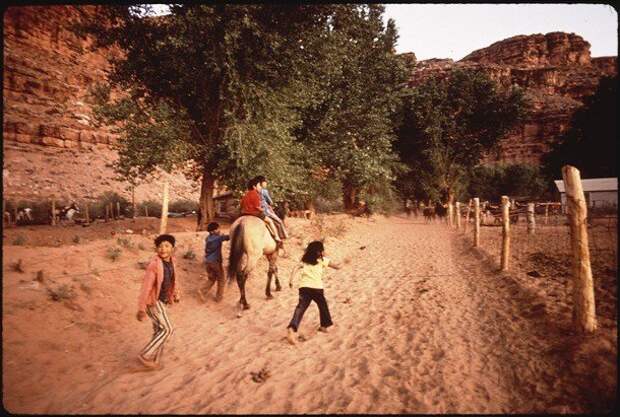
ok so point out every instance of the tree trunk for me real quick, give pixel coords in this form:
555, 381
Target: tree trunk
207, 205
349, 192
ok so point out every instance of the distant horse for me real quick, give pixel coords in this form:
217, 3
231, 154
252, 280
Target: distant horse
429, 214
249, 240
440, 211
24, 215
67, 212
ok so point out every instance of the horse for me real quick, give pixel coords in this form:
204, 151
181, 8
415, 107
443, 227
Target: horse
24, 216
67, 212
440, 211
249, 240
429, 214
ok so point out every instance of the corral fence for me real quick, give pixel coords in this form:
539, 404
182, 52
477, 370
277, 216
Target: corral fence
107, 207
572, 238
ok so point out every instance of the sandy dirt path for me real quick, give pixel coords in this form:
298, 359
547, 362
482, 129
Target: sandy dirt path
422, 325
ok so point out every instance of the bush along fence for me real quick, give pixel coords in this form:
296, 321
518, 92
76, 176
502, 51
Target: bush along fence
561, 231
107, 207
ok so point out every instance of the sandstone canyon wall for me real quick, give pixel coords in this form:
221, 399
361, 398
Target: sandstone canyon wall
556, 72
51, 147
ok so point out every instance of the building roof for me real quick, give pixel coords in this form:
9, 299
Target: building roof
592, 184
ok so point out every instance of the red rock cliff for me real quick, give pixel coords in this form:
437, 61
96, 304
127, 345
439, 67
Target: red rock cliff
556, 72
51, 147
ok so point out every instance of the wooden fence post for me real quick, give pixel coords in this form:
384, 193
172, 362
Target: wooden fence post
107, 213
505, 233
87, 213
584, 314
547, 213
118, 209
458, 215
450, 214
15, 213
531, 220
476, 222
53, 212
467, 216
164, 211
146, 210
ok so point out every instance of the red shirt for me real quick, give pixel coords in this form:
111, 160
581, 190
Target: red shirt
250, 203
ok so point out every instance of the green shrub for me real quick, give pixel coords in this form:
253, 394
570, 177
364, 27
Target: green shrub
154, 208
181, 206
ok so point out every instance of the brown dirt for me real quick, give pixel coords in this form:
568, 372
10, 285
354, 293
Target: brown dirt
423, 324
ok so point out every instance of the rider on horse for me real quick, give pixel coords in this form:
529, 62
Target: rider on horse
251, 205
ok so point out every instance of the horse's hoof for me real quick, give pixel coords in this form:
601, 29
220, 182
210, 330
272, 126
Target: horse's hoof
269, 297
278, 288
246, 307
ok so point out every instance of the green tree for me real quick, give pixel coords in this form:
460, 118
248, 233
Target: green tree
348, 127
446, 125
515, 180
590, 144
210, 89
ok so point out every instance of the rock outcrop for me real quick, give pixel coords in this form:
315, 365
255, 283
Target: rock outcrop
556, 72
51, 146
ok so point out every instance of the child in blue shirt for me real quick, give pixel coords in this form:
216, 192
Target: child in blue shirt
213, 261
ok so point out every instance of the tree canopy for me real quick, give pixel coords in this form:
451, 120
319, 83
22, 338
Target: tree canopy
590, 144
446, 126
227, 92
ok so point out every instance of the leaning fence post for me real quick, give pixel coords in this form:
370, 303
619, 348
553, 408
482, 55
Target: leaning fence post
164, 211
458, 215
505, 233
531, 220
584, 313
476, 222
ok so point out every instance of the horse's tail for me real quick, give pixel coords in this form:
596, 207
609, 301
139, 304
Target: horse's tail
236, 252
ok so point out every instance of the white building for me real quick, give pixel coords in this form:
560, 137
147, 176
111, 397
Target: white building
599, 192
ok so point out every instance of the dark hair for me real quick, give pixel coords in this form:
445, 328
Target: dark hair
313, 252
165, 238
252, 183
212, 226
261, 178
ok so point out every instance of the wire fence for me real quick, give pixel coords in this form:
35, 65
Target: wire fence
541, 246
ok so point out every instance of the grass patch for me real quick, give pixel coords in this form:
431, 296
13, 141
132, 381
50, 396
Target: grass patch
189, 254
125, 242
19, 240
113, 253
63, 292
18, 266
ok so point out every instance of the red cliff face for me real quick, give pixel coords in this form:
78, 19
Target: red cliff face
51, 147
556, 72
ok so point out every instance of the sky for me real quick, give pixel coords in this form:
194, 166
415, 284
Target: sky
455, 30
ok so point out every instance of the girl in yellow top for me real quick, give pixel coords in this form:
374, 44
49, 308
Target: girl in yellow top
311, 288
